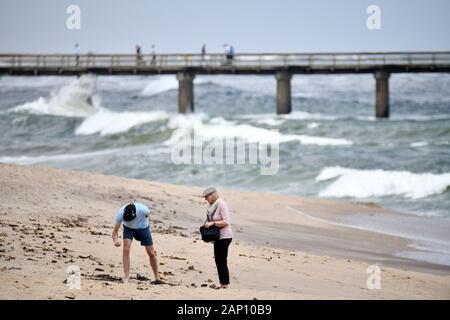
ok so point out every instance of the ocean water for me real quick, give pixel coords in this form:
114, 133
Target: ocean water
330, 145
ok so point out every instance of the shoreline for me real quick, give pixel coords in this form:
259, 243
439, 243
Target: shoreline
300, 237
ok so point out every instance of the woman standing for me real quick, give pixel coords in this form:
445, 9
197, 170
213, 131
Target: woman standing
219, 215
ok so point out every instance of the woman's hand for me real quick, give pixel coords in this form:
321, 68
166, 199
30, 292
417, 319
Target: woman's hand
209, 224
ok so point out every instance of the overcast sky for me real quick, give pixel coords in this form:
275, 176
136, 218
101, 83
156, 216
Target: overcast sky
250, 25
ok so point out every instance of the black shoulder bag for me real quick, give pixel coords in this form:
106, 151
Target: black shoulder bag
210, 234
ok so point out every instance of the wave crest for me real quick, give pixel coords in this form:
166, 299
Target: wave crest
77, 99
219, 128
378, 183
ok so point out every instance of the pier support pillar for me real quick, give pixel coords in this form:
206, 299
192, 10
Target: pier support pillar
382, 94
283, 92
185, 92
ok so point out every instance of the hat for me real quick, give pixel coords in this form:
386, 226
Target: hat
208, 191
129, 213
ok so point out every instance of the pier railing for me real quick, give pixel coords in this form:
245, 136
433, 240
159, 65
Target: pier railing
239, 61
187, 66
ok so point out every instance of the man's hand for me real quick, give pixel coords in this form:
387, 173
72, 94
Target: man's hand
115, 237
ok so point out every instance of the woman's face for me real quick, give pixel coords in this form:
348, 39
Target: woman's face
209, 198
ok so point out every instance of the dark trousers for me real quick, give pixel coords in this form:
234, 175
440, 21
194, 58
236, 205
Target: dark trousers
220, 255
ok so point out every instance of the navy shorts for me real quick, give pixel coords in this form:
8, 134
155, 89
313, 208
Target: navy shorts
143, 235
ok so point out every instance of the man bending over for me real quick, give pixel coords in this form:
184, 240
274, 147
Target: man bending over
135, 225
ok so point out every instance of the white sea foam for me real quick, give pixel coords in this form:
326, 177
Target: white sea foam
77, 99
312, 140
303, 115
107, 122
270, 122
378, 183
159, 85
313, 125
419, 144
219, 128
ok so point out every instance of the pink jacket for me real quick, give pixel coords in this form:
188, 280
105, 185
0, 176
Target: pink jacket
222, 213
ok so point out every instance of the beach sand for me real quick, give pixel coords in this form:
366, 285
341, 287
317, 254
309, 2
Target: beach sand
284, 247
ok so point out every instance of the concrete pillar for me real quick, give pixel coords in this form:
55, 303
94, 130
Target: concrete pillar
185, 92
382, 94
283, 92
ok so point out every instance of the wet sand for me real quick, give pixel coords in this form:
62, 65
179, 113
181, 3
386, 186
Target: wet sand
284, 247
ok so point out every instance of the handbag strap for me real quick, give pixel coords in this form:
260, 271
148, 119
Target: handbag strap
212, 216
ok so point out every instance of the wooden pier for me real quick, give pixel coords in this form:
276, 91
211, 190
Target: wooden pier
281, 65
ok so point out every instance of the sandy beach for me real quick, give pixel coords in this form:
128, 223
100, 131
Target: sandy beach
284, 247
